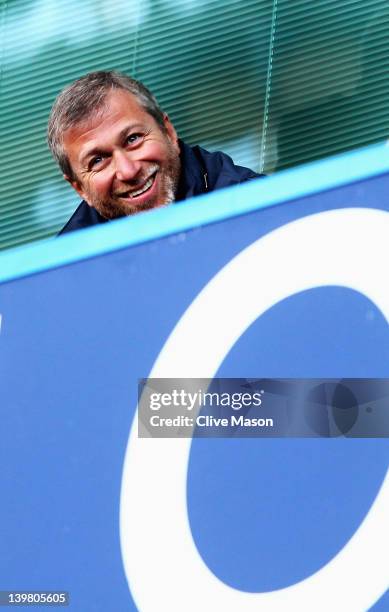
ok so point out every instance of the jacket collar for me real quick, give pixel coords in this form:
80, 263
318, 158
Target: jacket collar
192, 179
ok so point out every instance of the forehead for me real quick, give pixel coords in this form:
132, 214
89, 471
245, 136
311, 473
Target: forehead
120, 109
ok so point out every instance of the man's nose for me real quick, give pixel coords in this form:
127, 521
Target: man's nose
126, 168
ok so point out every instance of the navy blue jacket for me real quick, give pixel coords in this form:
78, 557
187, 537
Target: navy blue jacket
201, 172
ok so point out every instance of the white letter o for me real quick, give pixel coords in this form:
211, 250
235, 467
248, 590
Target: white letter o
344, 247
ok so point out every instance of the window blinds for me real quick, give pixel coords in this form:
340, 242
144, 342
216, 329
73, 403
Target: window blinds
272, 83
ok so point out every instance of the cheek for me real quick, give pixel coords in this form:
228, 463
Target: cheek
100, 183
156, 152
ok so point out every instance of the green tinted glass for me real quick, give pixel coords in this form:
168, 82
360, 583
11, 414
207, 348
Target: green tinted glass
272, 83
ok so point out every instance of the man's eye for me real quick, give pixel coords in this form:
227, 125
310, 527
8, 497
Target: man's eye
133, 138
95, 161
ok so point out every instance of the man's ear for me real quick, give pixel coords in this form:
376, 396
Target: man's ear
171, 132
76, 185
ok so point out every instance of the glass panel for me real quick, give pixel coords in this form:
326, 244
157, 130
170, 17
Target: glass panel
329, 79
273, 83
205, 60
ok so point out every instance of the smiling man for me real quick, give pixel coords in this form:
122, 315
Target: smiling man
121, 153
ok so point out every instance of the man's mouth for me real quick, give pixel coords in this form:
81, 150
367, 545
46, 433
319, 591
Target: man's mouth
145, 187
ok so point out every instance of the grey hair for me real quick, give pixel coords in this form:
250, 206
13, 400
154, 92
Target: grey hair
86, 96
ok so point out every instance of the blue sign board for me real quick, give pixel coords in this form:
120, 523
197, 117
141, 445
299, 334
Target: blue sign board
283, 277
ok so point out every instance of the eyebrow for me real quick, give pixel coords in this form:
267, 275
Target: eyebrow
98, 150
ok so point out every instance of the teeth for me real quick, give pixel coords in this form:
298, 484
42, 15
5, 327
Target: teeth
145, 187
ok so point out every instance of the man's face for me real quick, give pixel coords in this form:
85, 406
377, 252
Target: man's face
122, 161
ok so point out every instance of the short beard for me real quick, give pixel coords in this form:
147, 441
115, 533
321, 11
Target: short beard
113, 208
